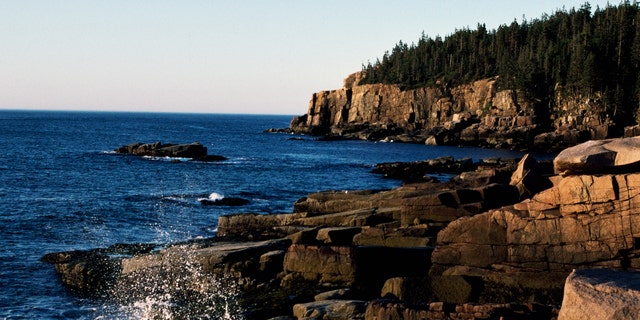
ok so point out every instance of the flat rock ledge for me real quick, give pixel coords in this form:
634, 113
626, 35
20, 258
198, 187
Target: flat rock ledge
499, 241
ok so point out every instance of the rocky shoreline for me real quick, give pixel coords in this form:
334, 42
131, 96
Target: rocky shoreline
501, 240
476, 114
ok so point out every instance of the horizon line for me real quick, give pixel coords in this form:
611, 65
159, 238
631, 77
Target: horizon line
140, 111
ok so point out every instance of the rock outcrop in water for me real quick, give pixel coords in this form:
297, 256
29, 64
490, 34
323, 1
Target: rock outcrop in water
498, 241
477, 114
194, 151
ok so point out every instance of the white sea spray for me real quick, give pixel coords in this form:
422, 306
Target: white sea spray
174, 285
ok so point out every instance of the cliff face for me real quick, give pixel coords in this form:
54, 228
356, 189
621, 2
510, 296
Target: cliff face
474, 114
411, 109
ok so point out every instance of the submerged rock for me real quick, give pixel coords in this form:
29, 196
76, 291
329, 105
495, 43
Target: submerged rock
226, 201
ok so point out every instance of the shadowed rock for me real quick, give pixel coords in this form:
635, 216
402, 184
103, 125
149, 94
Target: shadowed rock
194, 151
529, 177
330, 309
226, 201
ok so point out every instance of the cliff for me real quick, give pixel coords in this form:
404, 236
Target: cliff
477, 114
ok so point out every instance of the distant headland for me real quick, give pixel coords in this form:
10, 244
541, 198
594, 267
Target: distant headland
544, 84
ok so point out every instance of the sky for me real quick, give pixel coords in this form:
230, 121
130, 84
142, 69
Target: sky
197, 56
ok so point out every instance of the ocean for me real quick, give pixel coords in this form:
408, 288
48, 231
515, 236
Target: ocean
63, 188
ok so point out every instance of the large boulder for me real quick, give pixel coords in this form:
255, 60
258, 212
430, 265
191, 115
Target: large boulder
529, 177
600, 156
326, 202
337, 236
448, 205
601, 294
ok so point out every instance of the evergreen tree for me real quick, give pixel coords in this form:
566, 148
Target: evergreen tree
582, 50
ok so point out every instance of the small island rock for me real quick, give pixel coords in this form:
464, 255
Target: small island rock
194, 151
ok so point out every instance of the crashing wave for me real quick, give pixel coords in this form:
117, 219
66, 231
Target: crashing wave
216, 199
212, 197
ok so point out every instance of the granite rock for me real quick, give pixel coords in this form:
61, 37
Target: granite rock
475, 113
600, 156
601, 294
330, 309
583, 221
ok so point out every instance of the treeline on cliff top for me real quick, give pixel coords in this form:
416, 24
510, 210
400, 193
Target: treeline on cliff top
580, 50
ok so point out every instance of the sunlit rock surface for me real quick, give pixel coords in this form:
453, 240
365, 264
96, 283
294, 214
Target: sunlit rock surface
602, 156
601, 294
527, 249
476, 113
498, 241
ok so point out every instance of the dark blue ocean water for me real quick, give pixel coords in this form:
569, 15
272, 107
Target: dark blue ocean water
61, 187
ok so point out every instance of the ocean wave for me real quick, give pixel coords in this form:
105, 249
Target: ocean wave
182, 199
167, 159
231, 161
212, 197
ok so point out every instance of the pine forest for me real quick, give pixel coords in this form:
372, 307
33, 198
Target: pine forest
582, 50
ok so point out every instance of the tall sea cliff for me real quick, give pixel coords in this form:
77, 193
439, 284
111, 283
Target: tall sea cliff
476, 113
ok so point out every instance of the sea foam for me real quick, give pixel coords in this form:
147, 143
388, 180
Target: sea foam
212, 197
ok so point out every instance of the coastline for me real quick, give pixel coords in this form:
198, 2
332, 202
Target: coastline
430, 248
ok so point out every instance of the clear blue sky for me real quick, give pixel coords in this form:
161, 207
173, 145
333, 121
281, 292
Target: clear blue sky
264, 57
